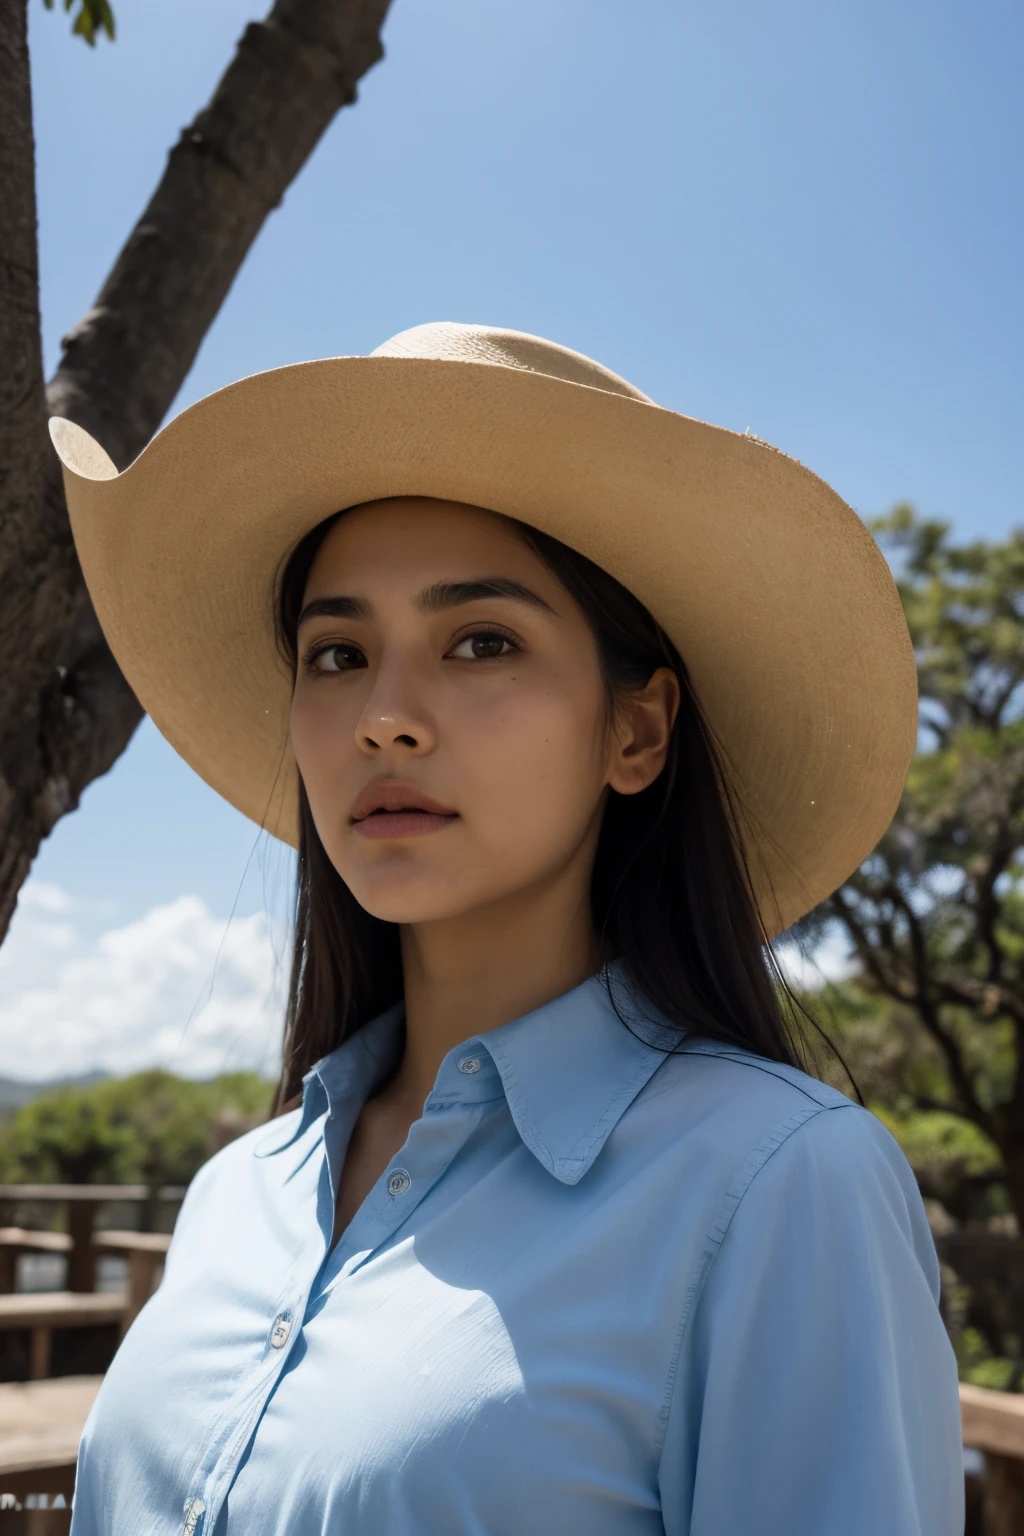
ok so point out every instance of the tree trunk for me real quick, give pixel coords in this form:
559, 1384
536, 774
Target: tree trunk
66, 713
30, 582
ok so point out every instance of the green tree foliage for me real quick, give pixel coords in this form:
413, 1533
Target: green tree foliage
933, 1022
93, 16
152, 1128
64, 1137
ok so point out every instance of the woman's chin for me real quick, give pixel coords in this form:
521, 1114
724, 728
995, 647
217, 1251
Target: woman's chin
408, 902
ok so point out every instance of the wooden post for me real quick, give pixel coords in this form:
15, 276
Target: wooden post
40, 1350
82, 1259
46, 1522
994, 1423
1004, 1495
145, 1253
141, 1267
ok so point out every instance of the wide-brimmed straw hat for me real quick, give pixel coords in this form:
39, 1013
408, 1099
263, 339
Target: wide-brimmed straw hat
773, 590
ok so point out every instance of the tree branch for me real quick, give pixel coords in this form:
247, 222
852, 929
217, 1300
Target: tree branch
980, 996
928, 1013
987, 904
916, 996
1004, 696
988, 907
126, 359
924, 1101
122, 366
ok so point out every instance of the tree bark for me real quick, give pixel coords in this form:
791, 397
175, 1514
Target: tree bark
65, 711
28, 587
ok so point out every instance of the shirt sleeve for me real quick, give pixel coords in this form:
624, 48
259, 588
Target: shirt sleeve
815, 1390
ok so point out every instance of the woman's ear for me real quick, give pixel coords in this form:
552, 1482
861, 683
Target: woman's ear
643, 728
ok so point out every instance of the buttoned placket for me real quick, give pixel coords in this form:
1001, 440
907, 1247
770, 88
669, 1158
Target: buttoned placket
226, 1442
467, 1086
456, 1105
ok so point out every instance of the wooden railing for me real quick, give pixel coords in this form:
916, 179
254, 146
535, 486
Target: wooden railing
40, 1425
82, 1203
41, 1421
993, 1422
40, 1315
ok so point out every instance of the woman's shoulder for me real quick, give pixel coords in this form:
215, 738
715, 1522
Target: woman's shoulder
735, 1095
810, 1328
766, 1131
752, 1076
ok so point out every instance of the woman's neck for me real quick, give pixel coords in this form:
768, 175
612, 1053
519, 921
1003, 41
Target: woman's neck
470, 974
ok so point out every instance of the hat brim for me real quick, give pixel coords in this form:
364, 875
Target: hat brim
773, 590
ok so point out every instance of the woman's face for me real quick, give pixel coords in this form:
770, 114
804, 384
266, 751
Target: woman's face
448, 718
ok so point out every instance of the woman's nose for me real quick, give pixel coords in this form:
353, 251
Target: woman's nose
392, 716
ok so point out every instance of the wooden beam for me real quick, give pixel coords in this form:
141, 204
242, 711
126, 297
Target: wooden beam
41, 1313
40, 1427
133, 1242
60, 1309
28, 1241
73, 1192
993, 1421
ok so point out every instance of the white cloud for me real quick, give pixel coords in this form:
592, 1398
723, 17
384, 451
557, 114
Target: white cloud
809, 971
41, 897
176, 988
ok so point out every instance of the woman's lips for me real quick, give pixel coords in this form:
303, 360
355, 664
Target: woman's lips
402, 823
396, 809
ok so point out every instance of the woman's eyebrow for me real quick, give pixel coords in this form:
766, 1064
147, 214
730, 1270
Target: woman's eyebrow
433, 599
451, 594
335, 608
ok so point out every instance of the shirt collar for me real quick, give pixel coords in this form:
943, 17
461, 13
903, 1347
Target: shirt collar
569, 1070
352, 1071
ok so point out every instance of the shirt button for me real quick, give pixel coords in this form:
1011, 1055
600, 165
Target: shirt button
469, 1064
279, 1333
398, 1182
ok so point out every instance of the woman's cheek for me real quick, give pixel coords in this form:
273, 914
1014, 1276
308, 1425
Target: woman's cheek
321, 737
536, 777
304, 733
504, 748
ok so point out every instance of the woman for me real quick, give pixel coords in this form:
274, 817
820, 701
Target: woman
551, 1233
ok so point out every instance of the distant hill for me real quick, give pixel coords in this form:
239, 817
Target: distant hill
14, 1092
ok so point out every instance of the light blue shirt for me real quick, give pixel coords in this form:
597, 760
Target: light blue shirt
600, 1291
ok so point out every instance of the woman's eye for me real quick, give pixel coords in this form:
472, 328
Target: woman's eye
336, 658
483, 646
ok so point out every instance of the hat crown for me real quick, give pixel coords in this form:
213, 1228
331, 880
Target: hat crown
451, 341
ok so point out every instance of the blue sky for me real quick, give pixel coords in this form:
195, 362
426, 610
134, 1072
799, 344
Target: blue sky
802, 218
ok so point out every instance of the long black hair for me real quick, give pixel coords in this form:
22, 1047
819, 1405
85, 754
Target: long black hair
671, 894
